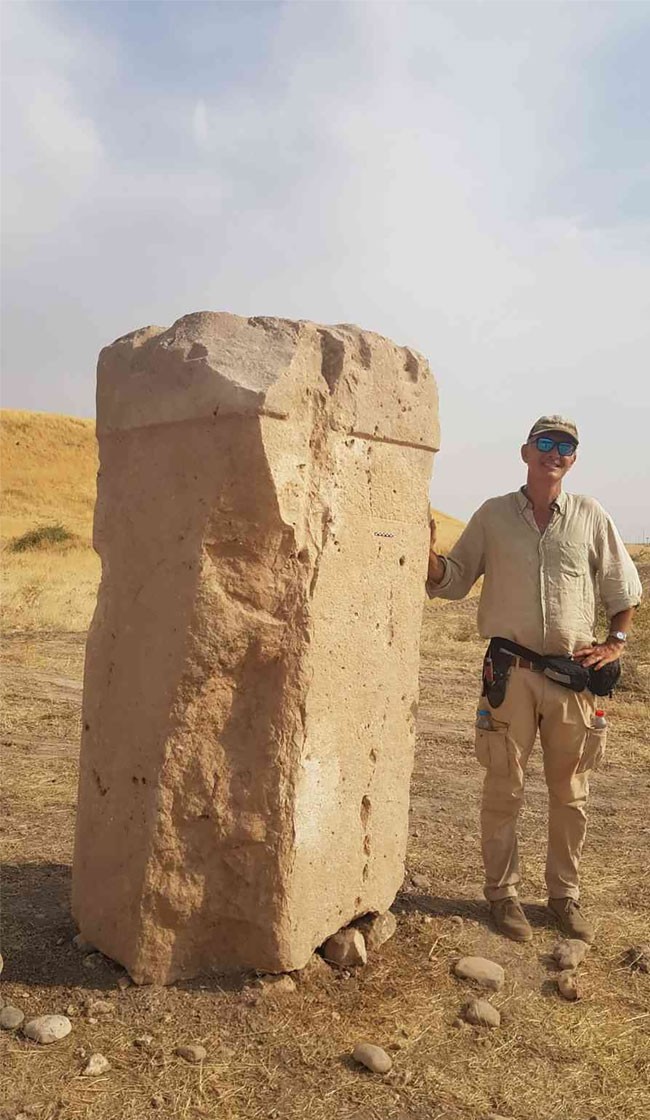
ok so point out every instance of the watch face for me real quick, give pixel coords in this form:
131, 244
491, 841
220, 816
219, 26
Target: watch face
620, 635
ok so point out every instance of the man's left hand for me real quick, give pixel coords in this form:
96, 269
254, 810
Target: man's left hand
600, 654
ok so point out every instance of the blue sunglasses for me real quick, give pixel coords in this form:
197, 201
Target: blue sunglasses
564, 446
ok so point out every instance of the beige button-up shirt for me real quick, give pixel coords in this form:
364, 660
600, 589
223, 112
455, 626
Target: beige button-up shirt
541, 589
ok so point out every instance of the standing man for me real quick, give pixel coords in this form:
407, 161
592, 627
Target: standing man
545, 556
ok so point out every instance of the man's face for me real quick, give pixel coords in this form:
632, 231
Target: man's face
548, 465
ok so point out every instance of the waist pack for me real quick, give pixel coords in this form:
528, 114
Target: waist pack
563, 670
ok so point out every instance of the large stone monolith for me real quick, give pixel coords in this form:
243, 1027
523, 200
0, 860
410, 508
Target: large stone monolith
251, 668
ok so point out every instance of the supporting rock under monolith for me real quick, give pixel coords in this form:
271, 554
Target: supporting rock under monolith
251, 668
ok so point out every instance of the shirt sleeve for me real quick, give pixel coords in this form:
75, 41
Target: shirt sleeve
618, 580
463, 565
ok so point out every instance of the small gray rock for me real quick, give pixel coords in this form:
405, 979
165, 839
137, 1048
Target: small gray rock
377, 929
143, 1041
11, 1018
482, 1014
48, 1028
420, 882
372, 1057
568, 986
192, 1053
457, 922
571, 953
95, 1066
347, 948
487, 974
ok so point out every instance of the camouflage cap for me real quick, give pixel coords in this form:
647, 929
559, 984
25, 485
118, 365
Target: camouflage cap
553, 424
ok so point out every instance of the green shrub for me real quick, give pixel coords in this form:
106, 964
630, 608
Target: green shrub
42, 537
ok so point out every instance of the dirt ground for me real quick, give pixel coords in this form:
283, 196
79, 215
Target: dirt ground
289, 1057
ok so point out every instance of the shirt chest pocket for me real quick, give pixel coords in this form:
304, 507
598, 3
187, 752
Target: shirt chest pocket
567, 560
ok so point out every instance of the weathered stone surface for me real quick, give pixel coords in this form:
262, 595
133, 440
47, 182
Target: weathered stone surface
48, 1028
487, 974
96, 1065
347, 948
11, 1018
372, 1057
377, 929
251, 669
482, 1013
276, 985
571, 953
315, 970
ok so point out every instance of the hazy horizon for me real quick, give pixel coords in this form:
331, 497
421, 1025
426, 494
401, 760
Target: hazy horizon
468, 179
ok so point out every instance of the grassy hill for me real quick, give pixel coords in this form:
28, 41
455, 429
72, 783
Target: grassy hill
49, 469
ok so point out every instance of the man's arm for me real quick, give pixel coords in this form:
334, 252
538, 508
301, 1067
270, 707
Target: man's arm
620, 591
453, 576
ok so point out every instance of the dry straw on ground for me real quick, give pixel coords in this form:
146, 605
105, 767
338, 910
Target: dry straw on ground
288, 1058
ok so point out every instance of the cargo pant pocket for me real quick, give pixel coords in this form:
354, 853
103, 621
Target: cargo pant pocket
494, 751
593, 750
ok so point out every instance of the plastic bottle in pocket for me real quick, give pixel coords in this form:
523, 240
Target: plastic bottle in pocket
484, 719
599, 720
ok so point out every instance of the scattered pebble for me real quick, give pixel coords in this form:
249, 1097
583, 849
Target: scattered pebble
71, 1010
420, 882
567, 983
482, 1014
123, 982
347, 948
487, 974
11, 1018
372, 1057
571, 953
95, 1066
92, 960
457, 922
193, 1053
48, 1028
143, 1041
377, 929
157, 1102
282, 985
637, 957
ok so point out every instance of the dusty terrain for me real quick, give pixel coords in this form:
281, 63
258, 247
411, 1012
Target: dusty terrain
288, 1057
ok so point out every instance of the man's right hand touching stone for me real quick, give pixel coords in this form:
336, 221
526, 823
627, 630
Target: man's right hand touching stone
436, 565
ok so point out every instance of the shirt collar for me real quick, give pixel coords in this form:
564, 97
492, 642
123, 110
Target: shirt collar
559, 505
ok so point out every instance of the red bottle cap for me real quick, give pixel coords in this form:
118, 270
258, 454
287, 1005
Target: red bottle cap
600, 712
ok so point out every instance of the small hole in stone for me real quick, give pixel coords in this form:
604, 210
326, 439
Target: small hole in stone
402, 561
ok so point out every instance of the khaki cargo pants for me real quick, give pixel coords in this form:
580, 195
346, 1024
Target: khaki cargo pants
572, 748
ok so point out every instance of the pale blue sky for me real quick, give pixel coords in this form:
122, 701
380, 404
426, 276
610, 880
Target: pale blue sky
472, 179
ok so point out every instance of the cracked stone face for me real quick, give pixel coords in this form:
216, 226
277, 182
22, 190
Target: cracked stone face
251, 669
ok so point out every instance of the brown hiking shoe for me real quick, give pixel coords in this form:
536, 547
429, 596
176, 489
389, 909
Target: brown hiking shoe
510, 919
566, 912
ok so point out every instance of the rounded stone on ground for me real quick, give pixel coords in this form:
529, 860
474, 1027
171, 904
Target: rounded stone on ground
315, 969
570, 953
456, 921
192, 1053
372, 1057
11, 1018
420, 882
637, 957
282, 985
347, 948
481, 1013
48, 1028
99, 1007
485, 973
96, 1065
568, 985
